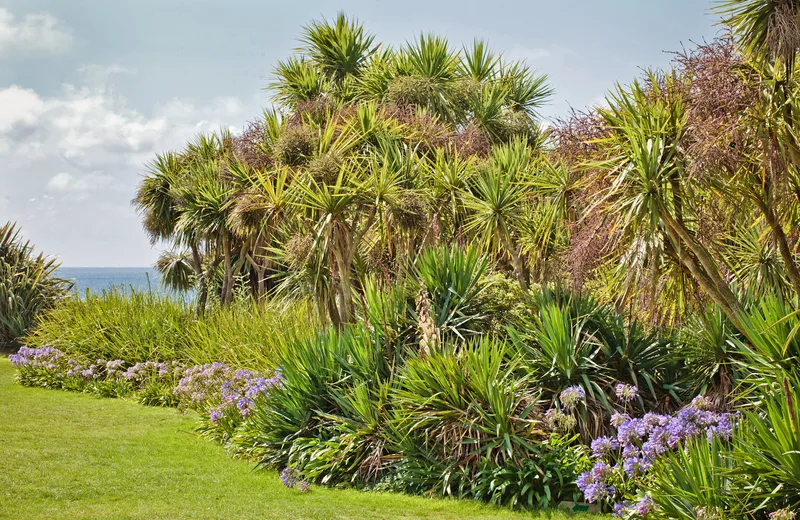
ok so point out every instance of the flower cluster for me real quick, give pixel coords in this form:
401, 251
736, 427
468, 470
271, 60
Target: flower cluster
558, 420
221, 391
214, 389
291, 478
571, 396
783, 514
151, 370
639, 441
626, 393
48, 358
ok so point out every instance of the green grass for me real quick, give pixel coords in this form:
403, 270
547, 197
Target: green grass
68, 455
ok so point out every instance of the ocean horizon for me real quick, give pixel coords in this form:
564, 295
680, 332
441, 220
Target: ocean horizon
99, 279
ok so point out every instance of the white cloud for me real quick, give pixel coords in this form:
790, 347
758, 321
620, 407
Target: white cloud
60, 181
33, 33
90, 126
71, 162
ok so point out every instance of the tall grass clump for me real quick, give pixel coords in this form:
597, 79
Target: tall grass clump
249, 335
28, 285
135, 326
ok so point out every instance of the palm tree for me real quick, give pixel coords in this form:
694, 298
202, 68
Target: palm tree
338, 49
497, 205
768, 29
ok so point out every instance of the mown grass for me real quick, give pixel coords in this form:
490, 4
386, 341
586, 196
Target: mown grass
67, 455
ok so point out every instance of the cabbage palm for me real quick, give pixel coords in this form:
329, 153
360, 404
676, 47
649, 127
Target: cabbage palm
766, 28
338, 49
648, 194
497, 209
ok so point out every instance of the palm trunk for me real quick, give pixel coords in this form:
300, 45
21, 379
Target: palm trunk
227, 284
783, 243
516, 259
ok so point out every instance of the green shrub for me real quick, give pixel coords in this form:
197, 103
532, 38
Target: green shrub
130, 325
697, 478
248, 335
466, 425
28, 285
144, 326
769, 447
319, 375
453, 279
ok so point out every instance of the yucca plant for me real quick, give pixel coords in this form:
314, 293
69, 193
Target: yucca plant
29, 285
768, 453
453, 278
697, 479
454, 412
316, 373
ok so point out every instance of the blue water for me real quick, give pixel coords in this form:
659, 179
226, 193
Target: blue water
98, 279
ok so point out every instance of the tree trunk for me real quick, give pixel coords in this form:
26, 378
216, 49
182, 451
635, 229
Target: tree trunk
516, 259
783, 244
227, 284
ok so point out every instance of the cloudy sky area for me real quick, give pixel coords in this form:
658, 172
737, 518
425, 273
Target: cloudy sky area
92, 89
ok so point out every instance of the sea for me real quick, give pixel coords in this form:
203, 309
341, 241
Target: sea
98, 279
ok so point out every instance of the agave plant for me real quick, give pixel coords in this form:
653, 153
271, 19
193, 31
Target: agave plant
29, 285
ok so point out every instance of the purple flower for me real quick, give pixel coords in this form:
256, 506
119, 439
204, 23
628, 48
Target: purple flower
571, 396
644, 507
289, 477
303, 487
626, 393
604, 446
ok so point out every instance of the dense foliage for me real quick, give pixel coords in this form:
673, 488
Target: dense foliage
460, 302
28, 285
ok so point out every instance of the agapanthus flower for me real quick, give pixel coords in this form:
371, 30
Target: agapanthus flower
572, 396
289, 477
604, 446
618, 418
783, 514
626, 393
303, 487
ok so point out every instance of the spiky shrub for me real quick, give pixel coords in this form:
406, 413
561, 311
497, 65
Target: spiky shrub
769, 447
452, 277
319, 376
697, 479
466, 421
28, 285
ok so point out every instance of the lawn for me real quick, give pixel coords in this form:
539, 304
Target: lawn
68, 455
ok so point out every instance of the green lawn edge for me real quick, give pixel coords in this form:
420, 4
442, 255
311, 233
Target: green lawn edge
70, 455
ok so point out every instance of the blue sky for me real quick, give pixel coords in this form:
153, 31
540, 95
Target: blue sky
91, 89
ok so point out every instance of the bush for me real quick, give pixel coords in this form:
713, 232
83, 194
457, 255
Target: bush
696, 478
467, 425
248, 335
319, 375
144, 326
28, 286
130, 325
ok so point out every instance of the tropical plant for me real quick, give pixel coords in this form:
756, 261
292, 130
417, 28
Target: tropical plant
29, 286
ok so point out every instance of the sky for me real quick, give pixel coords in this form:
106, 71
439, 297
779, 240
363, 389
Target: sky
90, 90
